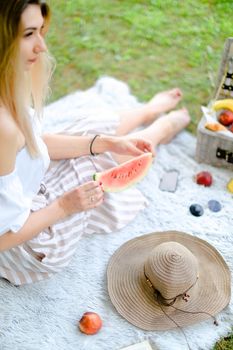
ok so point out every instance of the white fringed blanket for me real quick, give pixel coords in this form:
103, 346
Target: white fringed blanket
44, 315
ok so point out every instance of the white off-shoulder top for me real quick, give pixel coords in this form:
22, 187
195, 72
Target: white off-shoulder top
18, 188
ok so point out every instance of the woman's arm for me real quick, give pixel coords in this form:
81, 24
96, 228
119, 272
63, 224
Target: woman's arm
66, 146
74, 201
8, 144
35, 223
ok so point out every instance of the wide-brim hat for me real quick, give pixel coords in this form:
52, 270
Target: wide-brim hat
189, 273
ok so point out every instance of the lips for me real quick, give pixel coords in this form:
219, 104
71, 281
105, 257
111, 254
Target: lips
33, 60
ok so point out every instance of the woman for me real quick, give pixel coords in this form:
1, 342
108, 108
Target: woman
45, 210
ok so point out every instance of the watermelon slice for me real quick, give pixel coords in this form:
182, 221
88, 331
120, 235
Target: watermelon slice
125, 175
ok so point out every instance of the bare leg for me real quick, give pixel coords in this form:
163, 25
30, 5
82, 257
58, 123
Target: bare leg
162, 130
147, 113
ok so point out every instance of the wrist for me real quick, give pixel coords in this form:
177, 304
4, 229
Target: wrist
58, 207
101, 144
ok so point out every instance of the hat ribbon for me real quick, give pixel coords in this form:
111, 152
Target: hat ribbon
171, 301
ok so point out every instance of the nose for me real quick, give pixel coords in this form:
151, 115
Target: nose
40, 45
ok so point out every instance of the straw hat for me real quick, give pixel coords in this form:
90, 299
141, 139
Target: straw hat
164, 280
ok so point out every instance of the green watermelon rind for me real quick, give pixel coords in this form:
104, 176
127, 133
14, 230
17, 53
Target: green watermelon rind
98, 176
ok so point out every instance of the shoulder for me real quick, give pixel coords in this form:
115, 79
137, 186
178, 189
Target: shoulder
8, 143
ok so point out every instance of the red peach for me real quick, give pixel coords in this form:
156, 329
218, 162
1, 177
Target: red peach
226, 117
90, 323
204, 178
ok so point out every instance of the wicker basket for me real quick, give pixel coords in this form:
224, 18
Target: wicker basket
214, 148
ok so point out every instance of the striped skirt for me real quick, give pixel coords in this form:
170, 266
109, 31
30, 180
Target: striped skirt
52, 250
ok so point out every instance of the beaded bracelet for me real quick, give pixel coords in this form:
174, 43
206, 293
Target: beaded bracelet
91, 144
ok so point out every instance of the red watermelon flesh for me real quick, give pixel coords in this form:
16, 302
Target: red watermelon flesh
125, 175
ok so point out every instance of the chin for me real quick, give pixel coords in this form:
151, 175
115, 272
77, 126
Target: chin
28, 66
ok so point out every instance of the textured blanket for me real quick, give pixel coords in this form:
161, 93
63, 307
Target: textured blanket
44, 315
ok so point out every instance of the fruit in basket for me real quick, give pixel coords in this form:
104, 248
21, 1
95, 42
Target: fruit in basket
204, 178
226, 103
90, 323
215, 127
226, 117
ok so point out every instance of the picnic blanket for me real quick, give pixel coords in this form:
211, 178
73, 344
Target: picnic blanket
45, 315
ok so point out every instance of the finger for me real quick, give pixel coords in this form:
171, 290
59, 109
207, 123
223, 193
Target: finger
136, 151
90, 186
96, 191
98, 202
94, 201
152, 151
147, 147
94, 195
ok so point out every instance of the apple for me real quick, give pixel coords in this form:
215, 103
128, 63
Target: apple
204, 178
226, 117
90, 323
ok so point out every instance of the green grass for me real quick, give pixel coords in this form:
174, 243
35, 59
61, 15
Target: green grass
225, 343
152, 45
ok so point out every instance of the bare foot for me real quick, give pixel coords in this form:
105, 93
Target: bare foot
173, 123
163, 129
162, 103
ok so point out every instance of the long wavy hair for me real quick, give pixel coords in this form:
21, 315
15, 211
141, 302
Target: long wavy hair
20, 89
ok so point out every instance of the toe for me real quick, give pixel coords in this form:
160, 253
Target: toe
177, 92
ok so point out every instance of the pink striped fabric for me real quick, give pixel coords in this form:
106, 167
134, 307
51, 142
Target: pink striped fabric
52, 249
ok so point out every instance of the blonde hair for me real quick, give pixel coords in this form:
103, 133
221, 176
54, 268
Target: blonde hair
20, 89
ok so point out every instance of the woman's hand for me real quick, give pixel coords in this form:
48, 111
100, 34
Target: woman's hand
130, 146
82, 198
